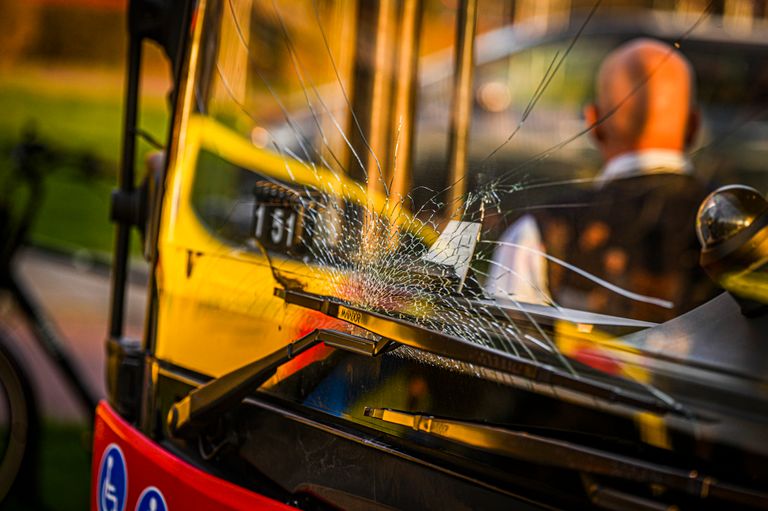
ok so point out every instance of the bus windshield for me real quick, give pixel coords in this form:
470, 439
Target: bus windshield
509, 177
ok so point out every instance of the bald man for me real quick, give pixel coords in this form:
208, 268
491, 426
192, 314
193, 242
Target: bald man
634, 227
643, 116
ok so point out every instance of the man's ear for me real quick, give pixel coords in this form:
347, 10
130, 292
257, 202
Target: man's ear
591, 117
692, 128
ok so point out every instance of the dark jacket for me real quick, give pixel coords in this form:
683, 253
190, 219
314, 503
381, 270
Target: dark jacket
635, 232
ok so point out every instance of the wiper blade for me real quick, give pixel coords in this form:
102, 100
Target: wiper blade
204, 404
438, 343
571, 456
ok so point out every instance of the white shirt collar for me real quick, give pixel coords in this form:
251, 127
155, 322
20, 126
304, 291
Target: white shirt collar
649, 161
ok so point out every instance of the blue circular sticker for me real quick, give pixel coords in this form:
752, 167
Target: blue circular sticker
113, 480
151, 500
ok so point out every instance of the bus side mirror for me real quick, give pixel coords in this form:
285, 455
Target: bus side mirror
732, 226
136, 208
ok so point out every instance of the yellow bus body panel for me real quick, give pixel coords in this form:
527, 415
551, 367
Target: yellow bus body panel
217, 308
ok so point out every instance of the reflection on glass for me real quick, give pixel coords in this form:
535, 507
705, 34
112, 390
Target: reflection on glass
593, 139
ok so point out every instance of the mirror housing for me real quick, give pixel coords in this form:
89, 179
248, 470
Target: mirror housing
135, 208
732, 226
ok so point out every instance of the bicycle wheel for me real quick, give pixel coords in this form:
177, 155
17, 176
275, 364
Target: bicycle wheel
17, 416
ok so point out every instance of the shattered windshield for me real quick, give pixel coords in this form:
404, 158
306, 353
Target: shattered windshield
523, 180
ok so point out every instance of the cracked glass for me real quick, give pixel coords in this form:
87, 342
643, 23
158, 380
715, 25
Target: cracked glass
460, 172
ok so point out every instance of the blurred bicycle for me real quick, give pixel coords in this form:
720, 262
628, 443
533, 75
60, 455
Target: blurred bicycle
21, 193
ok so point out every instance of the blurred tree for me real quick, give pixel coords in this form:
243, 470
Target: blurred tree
90, 35
19, 27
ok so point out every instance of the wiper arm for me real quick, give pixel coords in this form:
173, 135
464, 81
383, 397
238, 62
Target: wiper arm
205, 403
570, 456
425, 339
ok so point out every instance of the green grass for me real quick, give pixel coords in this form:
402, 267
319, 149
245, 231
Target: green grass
65, 467
76, 113
74, 216
71, 123
63, 477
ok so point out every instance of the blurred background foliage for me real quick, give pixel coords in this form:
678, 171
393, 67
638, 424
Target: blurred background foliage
61, 76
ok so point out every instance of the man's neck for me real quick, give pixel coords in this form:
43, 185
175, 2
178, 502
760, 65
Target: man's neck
646, 161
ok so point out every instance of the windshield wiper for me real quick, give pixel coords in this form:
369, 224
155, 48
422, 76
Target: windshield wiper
204, 404
425, 339
558, 453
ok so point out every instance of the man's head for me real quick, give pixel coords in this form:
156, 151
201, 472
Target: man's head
644, 89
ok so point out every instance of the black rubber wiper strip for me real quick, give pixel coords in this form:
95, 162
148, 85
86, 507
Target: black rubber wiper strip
438, 343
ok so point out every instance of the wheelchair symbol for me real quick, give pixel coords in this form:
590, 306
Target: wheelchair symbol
113, 480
